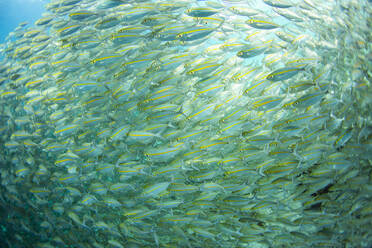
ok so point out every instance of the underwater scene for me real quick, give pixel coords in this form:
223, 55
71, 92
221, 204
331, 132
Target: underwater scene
188, 123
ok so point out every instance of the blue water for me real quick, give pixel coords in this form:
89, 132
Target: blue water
13, 12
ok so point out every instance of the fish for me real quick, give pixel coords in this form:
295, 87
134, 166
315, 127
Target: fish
262, 23
195, 33
284, 73
252, 51
243, 11
201, 12
278, 3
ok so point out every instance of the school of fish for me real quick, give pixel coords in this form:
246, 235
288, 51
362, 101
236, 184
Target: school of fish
221, 123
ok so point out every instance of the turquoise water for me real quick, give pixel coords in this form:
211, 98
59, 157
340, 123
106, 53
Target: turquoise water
16, 11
